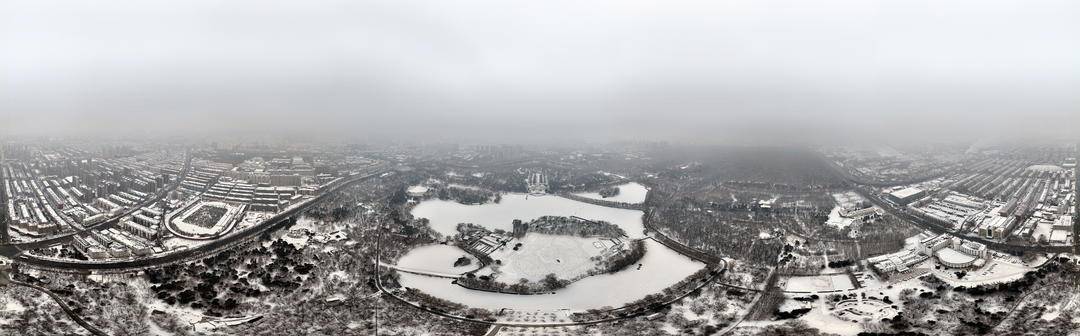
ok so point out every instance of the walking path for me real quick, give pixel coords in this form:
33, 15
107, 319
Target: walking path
420, 272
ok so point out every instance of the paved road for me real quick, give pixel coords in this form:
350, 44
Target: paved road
494, 330
421, 272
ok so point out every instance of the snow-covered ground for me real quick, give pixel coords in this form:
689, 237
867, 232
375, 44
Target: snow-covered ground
463, 186
222, 225
847, 199
540, 254
818, 283
837, 221
820, 318
209, 324
859, 309
296, 238
13, 306
612, 174
535, 317
633, 193
445, 215
660, 269
188, 315
9, 307
252, 218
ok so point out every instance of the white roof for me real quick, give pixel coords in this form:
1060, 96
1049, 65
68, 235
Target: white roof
906, 192
951, 256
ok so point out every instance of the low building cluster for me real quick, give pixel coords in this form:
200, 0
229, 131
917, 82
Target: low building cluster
947, 250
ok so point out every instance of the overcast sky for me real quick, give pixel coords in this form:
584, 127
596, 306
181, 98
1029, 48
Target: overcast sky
701, 71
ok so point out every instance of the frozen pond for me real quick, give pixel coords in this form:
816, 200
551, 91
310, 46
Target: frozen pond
445, 215
437, 259
661, 267
633, 193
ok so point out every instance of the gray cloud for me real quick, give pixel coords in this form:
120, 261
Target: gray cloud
727, 71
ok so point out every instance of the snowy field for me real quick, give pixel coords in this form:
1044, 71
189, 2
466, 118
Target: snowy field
181, 225
445, 215
436, 258
10, 307
847, 199
661, 268
541, 254
195, 230
633, 193
860, 310
319, 227
837, 221
819, 283
297, 238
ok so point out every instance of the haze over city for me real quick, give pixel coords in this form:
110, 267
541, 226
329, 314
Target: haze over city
716, 72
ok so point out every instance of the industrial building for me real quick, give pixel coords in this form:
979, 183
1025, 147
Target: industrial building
906, 195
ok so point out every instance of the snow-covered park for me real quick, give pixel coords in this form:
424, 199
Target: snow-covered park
541, 254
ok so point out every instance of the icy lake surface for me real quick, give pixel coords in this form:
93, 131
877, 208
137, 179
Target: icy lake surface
445, 215
660, 267
437, 259
633, 193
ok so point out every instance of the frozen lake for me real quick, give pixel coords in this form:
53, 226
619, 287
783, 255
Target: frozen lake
661, 267
633, 193
437, 259
445, 215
